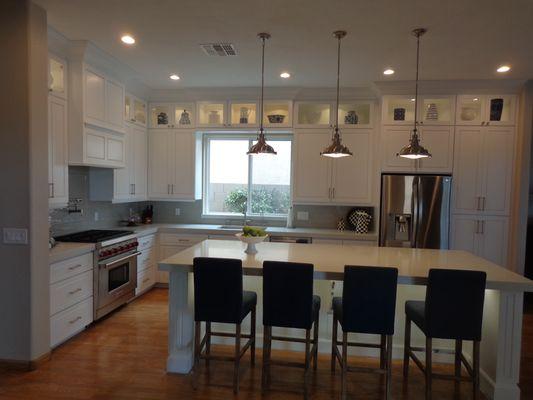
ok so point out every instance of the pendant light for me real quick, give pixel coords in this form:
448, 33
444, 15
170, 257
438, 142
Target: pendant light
262, 147
336, 149
414, 150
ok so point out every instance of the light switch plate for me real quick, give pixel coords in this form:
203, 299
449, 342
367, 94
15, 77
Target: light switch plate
302, 215
15, 236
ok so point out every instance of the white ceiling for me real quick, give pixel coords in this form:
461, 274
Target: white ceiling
467, 39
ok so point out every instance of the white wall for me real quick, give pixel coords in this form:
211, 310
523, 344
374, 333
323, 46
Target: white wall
24, 272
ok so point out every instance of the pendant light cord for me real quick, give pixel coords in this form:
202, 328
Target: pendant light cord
263, 38
338, 84
418, 33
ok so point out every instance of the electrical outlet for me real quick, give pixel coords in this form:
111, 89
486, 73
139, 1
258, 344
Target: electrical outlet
177, 211
15, 236
96, 216
302, 216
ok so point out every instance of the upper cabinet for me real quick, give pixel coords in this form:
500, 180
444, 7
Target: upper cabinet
172, 115
352, 114
57, 152
432, 110
57, 76
135, 110
486, 110
277, 114
212, 113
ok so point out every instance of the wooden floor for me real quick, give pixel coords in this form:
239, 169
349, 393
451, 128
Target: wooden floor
123, 357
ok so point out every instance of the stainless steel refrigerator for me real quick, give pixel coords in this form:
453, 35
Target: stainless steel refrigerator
415, 211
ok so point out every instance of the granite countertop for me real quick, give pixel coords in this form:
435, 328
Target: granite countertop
62, 251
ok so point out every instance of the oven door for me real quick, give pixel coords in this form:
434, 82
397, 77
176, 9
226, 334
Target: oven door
117, 277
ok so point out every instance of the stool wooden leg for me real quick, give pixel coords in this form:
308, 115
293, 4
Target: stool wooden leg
237, 359
207, 343
307, 362
475, 370
252, 334
344, 365
388, 365
315, 341
458, 352
382, 351
334, 344
429, 353
406, 347
197, 328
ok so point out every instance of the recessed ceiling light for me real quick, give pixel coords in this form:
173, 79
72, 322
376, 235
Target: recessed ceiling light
388, 71
285, 75
174, 77
503, 68
127, 39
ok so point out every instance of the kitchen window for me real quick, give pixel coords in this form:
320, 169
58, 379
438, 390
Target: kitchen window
236, 183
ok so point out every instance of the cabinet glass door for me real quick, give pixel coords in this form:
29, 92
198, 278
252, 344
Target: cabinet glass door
139, 111
56, 77
355, 115
399, 110
184, 115
436, 110
127, 108
277, 114
500, 110
211, 114
313, 114
160, 116
469, 110
243, 114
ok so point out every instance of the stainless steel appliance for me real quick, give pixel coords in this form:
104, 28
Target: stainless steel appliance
291, 239
115, 267
415, 211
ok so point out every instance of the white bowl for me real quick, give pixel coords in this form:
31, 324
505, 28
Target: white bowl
251, 241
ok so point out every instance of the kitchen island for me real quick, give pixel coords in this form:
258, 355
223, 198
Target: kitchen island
502, 323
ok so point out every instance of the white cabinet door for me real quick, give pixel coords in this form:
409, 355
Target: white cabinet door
393, 139
95, 98
467, 179
352, 175
312, 172
95, 147
140, 165
493, 239
160, 149
114, 103
439, 141
183, 182
498, 157
57, 151
464, 230
123, 176
165, 252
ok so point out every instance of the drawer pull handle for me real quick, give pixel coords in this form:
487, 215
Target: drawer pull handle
74, 320
146, 280
75, 291
75, 267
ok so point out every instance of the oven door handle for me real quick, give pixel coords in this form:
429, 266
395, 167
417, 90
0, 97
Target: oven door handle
107, 265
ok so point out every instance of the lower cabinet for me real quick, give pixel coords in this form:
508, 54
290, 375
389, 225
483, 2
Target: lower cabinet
71, 297
483, 236
146, 264
170, 244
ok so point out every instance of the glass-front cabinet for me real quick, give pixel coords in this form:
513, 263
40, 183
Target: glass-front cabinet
57, 76
135, 110
243, 113
277, 114
356, 114
311, 114
211, 113
172, 115
486, 110
432, 110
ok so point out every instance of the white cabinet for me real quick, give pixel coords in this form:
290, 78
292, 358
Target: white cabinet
319, 179
432, 110
484, 236
57, 152
486, 110
57, 76
439, 140
172, 115
146, 264
135, 110
352, 114
483, 167
174, 164
103, 149
170, 244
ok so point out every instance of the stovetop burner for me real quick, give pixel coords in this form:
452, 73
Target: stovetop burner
93, 236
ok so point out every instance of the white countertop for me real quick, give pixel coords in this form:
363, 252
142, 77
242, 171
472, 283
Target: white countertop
62, 251
329, 261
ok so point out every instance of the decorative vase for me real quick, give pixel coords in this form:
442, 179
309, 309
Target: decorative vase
399, 114
185, 118
468, 114
351, 118
162, 118
244, 115
341, 224
432, 113
214, 117
496, 108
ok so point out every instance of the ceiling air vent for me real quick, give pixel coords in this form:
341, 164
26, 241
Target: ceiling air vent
219, 49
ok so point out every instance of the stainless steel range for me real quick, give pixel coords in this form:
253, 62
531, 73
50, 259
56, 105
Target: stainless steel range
115, 267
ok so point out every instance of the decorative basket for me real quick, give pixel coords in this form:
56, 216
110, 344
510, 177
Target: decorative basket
360, 220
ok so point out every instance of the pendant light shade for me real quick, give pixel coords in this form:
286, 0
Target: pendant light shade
262, 147
336, 149
414, 150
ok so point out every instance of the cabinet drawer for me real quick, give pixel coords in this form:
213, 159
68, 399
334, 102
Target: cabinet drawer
145, 279
71, 267
71, 321
71, 291
145, 242
180, 240
146, 259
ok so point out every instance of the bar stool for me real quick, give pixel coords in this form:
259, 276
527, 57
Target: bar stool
453, 310
288, 302
368, 306
219, 297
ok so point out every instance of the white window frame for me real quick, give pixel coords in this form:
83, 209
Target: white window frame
250, 136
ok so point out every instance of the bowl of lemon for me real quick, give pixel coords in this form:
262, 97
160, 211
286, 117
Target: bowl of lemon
251, 236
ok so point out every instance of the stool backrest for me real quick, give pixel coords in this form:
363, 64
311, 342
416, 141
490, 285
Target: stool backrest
217, 289
287, 294
454, 304
369, 299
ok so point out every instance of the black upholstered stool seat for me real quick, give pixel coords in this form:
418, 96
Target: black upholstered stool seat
453, 310
288, 302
